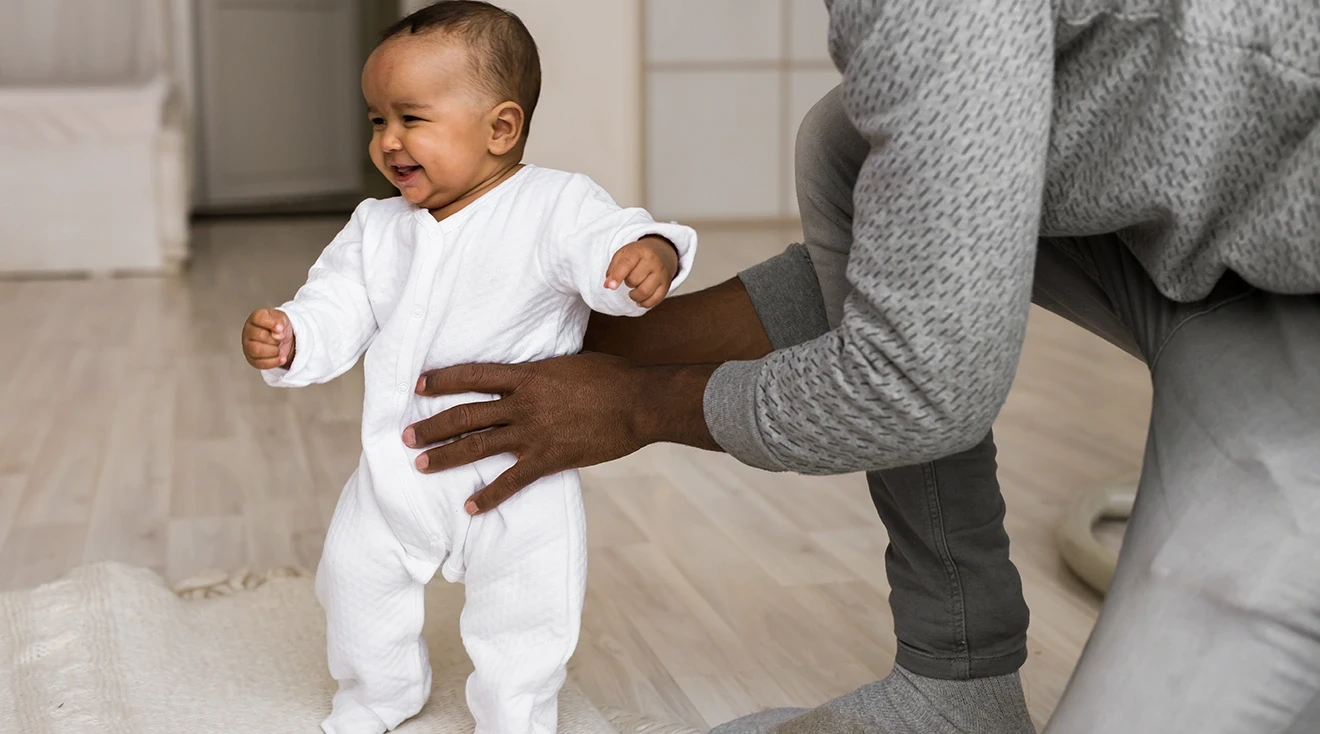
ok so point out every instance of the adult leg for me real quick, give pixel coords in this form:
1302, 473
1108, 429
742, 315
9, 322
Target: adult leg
1212, 623
959, 614
1098, 285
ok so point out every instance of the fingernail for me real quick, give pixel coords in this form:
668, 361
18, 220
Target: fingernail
611, 284
421, 384
409, 437
422, 461
471, 507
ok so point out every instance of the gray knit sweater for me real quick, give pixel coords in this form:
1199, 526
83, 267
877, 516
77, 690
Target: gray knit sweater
1189, 128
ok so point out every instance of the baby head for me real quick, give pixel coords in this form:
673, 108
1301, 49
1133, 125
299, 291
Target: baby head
450, 92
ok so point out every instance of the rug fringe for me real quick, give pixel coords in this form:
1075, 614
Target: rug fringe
216, 583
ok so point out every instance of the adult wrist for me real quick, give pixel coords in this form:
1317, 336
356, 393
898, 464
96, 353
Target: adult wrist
668, 407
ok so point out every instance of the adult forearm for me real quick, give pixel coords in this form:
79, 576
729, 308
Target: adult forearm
717, 324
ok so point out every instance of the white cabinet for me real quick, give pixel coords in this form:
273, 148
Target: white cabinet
727, 83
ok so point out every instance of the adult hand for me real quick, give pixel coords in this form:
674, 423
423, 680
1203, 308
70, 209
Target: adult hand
562, 413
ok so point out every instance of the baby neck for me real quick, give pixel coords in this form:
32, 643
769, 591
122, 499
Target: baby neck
504, 169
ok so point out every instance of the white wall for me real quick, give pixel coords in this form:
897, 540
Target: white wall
589, 116
728, 83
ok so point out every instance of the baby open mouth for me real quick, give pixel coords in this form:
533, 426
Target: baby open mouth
403, 173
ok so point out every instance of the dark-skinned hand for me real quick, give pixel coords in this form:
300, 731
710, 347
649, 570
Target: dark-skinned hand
558, 414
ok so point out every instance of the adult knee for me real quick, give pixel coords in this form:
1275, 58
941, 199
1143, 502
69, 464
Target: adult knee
828, 156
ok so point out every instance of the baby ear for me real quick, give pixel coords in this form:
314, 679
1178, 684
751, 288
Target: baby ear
506, 128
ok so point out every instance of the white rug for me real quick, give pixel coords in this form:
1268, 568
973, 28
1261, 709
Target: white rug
111, 649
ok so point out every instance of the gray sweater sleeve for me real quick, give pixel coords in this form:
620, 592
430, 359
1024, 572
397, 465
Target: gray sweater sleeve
785, 291
954, 99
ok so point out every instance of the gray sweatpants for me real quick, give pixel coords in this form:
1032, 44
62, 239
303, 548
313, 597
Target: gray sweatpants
1212, 623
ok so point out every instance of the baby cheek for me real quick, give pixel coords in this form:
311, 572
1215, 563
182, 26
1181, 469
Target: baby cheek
428, 151
373, 151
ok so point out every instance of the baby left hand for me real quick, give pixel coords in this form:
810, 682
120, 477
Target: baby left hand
648, 266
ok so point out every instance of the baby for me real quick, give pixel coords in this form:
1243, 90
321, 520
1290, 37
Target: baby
481, 259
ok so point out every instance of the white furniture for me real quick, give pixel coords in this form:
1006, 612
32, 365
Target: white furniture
94, 138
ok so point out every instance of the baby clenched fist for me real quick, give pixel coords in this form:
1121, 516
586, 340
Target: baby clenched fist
268, 339
648, 266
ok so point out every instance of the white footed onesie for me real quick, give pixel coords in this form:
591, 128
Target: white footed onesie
510, 278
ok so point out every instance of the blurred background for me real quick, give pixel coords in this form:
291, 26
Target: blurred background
177, 108
167, 166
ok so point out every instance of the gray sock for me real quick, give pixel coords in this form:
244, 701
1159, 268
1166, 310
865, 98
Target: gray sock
905, 703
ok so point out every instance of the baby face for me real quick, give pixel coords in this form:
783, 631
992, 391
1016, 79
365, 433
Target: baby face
431, 123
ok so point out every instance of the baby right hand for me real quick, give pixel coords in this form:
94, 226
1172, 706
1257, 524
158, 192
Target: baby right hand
268, 339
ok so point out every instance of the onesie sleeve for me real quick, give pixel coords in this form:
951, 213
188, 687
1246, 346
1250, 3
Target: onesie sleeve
331, 315
590, 229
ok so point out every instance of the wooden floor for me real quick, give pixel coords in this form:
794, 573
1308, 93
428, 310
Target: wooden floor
131, 429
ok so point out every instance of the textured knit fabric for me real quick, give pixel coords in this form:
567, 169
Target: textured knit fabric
510, 278
1187, 129
787, 296
904, 703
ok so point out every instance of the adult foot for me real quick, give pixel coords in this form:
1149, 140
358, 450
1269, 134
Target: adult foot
905, 703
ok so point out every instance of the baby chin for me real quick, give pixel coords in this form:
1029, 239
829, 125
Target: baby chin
411, 183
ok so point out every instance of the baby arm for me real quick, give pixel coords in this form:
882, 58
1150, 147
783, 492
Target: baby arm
602, 247
323, 331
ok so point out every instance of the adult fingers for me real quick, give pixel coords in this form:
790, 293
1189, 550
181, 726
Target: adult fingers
455, 422
497, 379
506, 485
467, 450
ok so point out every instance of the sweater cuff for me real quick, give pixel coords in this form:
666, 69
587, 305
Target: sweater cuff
729, 405
786, 295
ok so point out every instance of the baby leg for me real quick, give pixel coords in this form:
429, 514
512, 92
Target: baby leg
372, 595
526, 576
